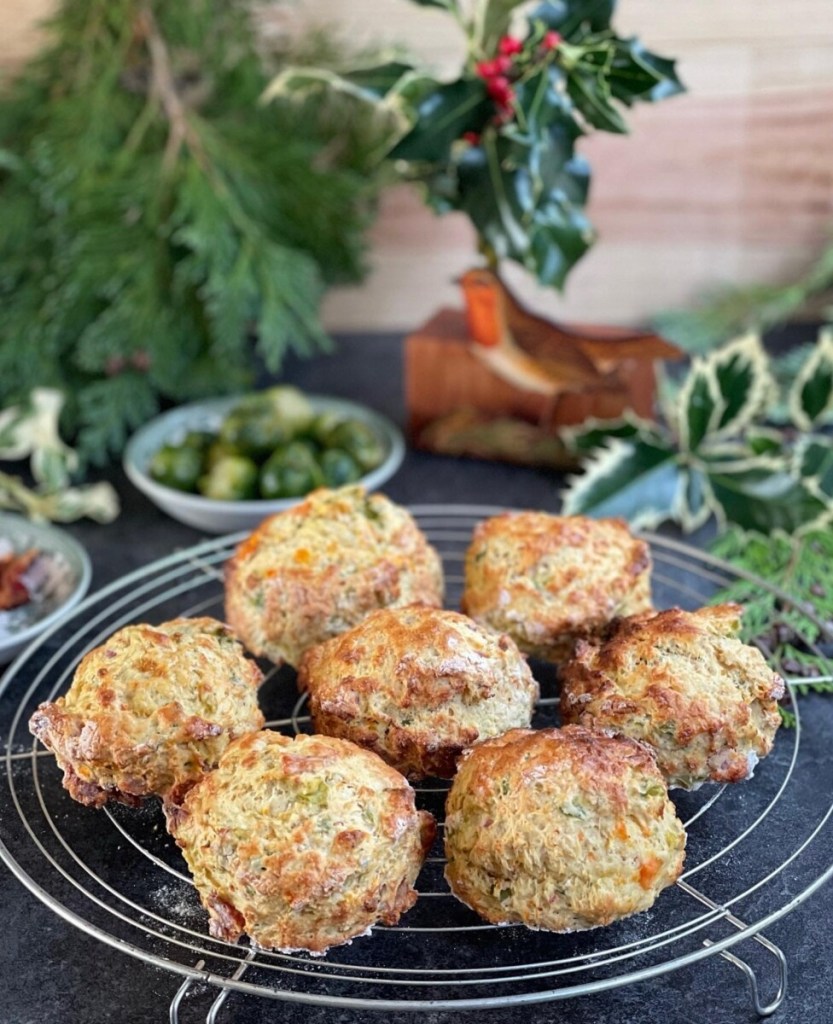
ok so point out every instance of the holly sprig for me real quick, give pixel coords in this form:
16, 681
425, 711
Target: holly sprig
713, 451
499, 142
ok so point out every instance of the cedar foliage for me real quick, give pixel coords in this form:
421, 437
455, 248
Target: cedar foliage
154, 216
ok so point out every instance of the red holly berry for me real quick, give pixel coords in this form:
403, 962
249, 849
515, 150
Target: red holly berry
500, 90
493, 68
551, 40
509, 45
473, 138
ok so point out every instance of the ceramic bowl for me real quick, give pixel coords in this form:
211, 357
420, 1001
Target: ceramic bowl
213, 515
66, 582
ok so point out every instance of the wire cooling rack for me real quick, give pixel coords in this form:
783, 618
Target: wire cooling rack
117, 875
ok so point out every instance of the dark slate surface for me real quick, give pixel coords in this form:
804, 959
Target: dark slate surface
52, 973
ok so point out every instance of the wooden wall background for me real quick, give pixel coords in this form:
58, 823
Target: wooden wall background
732, 182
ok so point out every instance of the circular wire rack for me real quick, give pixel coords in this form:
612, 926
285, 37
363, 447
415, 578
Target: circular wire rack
118, 875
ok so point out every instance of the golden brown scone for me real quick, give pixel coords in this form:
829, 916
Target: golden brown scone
153, 707
302, 843
550, 580
682, 682
317, 569
561, 829
418, 686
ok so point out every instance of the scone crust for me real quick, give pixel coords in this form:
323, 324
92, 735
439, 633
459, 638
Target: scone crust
315, 570
684, 683
418, 685
560, 829
151, 708
303, 843
549, 580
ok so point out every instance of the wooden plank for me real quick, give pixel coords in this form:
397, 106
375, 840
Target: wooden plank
703, 169
20, 33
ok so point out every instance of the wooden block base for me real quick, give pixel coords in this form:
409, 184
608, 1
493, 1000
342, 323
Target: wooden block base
443, 377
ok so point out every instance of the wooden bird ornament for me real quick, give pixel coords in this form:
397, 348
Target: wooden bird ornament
540, 355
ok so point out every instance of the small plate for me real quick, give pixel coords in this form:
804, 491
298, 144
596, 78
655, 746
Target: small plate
216, 516
67, 582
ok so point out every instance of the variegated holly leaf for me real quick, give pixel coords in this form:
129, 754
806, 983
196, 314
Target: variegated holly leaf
633, 479
741, 369
811, 396
762, 494
694, 502
724, 392
491, 21
764, 440
374, 102
813, 462
593, 432
698, 406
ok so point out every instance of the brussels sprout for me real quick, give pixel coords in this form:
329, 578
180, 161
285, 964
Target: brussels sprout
323, 425
290, 406
199, 439
339, 467
231, 478
219, 450
358, 440
290, 472
177, 466
255, 431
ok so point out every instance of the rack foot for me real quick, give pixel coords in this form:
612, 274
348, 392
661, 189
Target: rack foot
217, 1004
762, 1009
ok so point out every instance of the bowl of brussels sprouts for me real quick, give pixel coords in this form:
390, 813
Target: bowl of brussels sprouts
225, 464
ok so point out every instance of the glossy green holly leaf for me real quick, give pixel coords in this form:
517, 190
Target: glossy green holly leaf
811, 396
441, 117
637, 74
541, 101
552, 14
761, 494
590, 92
632, 479
573, 17
561, 236
517, 214
446, 5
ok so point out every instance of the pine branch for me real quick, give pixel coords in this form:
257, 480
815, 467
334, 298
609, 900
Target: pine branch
163, 86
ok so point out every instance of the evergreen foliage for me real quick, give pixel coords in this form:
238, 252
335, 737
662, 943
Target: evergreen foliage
155, 216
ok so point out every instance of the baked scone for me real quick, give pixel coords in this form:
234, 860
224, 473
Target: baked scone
560, 829
418, 685
549, 580
685, 684
151, 708
302, 843
317, 569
